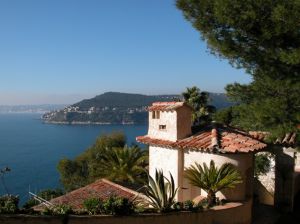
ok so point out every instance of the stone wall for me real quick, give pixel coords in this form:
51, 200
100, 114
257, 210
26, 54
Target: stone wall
231, 213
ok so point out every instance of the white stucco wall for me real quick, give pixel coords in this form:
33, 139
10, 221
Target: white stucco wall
166, 160
167, 118
243, 162
184, 122
178, 124
297, 160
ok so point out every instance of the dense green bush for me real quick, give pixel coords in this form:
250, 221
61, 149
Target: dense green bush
118, 206
9, 204
112, 206
47, 194
58, 210
190, 205
93, 206
108, 158
62, 209
178, 206
262, 164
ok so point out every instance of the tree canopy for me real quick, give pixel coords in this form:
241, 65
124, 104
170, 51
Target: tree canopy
108, 158
198, 100
263, 38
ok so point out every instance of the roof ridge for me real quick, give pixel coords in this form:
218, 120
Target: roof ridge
119, 186
168, 106
214, 138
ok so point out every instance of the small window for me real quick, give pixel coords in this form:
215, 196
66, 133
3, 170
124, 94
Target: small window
162, 127
155, 114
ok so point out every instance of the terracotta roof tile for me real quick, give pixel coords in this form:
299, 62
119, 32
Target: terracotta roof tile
288, 139
212, 139
102, 189
166, 106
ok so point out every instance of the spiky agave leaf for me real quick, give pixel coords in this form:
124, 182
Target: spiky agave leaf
161, 191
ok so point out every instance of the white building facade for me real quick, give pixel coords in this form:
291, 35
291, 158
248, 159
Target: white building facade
173, 148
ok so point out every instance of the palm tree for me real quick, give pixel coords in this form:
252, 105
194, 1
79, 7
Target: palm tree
212, 179
125, 164
199, 102
161, 191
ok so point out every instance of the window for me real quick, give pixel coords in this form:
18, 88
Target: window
155, 114
162, 127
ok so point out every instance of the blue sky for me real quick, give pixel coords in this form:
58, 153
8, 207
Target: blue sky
60, 51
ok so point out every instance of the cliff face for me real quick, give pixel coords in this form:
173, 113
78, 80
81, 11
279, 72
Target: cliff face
115, 108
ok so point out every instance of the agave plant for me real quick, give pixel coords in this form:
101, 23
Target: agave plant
161, 192
213, 179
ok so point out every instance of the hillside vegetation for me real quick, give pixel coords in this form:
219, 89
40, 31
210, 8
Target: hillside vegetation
117, 108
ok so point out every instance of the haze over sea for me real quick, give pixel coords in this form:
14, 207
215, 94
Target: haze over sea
33, 149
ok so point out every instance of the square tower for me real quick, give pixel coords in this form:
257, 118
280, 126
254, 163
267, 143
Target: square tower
170, 120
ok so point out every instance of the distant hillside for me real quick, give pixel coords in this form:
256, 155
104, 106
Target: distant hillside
115, 99
116, 108
41, 109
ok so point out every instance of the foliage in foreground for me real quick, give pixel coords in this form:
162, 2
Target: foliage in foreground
125, 164
262, 164
198, 100
108, 158
263, 38
213, 179
47, 194
9, 204
112, 206
161, 192
58, 210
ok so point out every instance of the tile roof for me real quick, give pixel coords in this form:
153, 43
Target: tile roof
102, 189
220, 139
166, 106
288, 139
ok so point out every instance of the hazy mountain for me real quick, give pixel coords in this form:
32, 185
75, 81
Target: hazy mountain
30, 108
117, 108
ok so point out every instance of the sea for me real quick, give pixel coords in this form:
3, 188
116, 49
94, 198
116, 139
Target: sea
32, 150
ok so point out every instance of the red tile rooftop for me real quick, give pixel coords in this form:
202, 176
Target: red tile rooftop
102, 189
288, 139
212, 139
167, 106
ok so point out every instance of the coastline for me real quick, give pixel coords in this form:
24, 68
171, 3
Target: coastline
86, 123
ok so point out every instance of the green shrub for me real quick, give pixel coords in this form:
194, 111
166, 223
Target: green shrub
62, 209
178, 206
58, 210
46, 194
47, 211
204, 203
118, 206
188, 205
9, 204
93, 206
262, 164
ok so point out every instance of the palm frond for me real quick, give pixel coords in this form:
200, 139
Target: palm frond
213, 179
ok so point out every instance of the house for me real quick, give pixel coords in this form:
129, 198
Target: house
173, 147
101, 189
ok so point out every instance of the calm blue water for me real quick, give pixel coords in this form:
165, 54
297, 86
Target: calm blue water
32, 149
